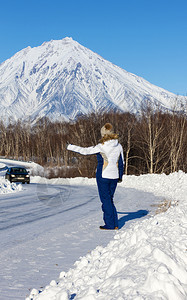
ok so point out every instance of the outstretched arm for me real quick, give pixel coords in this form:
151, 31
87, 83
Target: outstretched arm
84, 150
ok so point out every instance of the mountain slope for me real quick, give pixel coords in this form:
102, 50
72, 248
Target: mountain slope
62, 79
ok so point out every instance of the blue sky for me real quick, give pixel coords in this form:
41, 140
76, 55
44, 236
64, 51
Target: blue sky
145, 37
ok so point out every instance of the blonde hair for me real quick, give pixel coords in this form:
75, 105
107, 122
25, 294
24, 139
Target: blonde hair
108, 137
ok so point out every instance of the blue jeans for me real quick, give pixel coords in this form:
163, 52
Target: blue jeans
106, 188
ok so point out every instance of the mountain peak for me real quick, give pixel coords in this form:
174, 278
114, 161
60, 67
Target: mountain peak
67, 39
62, 41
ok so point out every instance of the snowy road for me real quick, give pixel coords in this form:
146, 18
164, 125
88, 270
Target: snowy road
38, 203
46, 227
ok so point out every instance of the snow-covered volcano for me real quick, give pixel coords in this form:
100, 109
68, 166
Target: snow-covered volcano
62, 79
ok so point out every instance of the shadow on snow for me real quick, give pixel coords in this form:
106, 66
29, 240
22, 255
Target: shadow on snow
130, 216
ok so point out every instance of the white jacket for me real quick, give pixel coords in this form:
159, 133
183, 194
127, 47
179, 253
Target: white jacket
110, 151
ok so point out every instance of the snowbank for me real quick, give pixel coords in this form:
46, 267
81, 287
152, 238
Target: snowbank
62, 181
2, 166
172, 187
146, 261
7, 187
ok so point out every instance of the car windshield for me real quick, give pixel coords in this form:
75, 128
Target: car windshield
18, 170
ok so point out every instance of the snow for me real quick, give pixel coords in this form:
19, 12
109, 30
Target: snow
52, 248
2, 166
7, 187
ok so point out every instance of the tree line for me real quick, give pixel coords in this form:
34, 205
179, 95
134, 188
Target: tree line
154, 141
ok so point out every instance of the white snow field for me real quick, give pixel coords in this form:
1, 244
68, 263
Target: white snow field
51, 227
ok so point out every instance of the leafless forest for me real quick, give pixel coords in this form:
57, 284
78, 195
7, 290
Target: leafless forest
153, 141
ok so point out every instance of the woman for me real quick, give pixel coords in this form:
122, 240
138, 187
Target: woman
109, 171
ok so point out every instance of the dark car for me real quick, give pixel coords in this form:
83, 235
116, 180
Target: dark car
17, 174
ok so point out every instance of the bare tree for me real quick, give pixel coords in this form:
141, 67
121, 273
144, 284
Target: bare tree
177, 139
152, 140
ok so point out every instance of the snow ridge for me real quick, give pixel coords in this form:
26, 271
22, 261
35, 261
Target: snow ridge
62, 79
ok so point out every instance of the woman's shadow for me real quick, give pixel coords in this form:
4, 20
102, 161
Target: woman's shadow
130, 216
